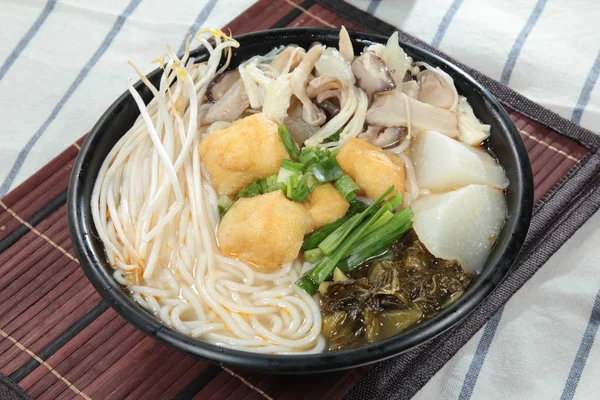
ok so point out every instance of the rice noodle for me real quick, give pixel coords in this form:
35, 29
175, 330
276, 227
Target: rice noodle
156, 213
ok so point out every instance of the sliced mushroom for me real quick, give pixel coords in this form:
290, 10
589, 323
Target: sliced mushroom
391, 110
277, 98
299, 78
471, 130
325, 87
372, 74
345, 45
371, 133
299, 129
328, 91
221, 84
435, 90
330, 108
390, 137
230, 106
291, 56
383, 137
411, 89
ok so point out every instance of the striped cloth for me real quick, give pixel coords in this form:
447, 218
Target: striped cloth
541, 344
63, 62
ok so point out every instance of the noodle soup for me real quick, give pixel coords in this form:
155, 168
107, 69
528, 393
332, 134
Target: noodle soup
309, 200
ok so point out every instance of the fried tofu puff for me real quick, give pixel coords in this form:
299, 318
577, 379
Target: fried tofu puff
373, 169
265, 230
247, 150
325, 205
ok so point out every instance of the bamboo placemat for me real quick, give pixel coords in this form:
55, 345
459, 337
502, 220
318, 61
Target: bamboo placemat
60, 340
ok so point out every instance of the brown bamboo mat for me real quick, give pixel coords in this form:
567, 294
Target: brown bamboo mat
60, 340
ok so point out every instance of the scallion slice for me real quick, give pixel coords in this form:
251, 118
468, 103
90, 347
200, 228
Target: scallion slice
292, 166
346, 186
288, 142
313, 255
326, 171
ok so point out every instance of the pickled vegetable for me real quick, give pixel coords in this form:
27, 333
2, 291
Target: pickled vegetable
386, 297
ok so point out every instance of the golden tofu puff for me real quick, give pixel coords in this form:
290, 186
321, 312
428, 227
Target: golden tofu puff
373, 169
325, 205
247, 150
265, 230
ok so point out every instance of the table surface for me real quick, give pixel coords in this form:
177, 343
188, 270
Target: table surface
63, 62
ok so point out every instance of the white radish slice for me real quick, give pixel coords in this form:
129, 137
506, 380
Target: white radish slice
461, 225
442, 163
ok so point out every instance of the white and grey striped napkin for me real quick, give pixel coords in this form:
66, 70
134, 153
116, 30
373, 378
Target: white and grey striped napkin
540, 345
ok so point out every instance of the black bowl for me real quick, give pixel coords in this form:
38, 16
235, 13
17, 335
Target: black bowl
505, 143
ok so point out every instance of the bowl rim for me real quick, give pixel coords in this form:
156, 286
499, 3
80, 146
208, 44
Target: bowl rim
132, 312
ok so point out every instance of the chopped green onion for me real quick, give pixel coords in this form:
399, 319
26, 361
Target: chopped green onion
393, 226
326, 171
292, 166
313, 255
356, 230
251, 190
333, 152
261, 186
377, 242
396, 200
346, 186
313, 239
335, 137
224, 203
308, 157
288, 142
292, 183
308, 284
305, 185
332, 241
272, 184
356, 206
284, 176
329, 244
385, 217
324, 267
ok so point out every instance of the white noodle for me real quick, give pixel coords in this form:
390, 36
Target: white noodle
156, 213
